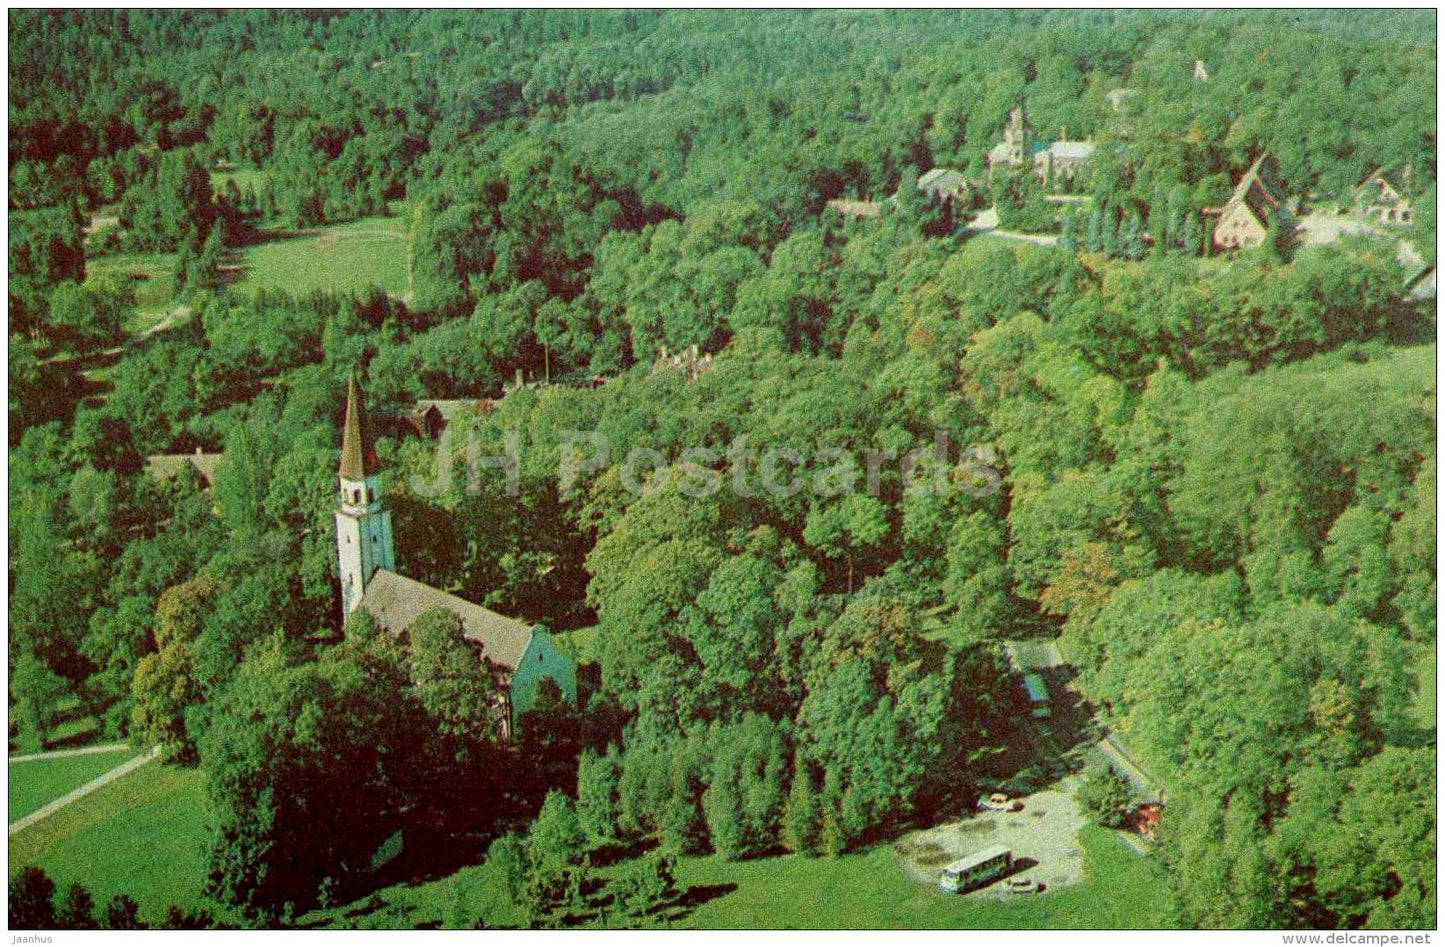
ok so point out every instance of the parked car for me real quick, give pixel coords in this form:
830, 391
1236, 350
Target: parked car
1000, 802
1021, 886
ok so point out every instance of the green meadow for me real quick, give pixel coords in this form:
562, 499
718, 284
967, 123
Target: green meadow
347, 258
242, 177
150, 275
34, 783
142, 835
1122, 890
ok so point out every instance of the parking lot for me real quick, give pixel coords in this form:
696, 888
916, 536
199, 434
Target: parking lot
1043, 837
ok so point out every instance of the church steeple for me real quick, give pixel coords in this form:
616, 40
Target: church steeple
357, 454
363, 524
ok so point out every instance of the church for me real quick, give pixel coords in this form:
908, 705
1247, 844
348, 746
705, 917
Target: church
520, 654
1057, 164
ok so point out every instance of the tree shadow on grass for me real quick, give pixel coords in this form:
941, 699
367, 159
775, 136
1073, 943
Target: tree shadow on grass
80, 738
688, 901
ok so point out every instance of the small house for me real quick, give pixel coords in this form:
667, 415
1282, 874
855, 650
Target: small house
1256, 204
946, 186
427, 417
164, 467
856, 210
1384, 196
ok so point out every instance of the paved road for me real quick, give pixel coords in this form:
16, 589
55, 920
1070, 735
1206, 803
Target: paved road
1034, 655
1106, 751
61, 754
44, 812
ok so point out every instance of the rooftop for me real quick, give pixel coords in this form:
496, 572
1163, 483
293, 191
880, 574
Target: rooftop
396, 601
942, 179
856, 209
162, 467
1070, 150
969, 861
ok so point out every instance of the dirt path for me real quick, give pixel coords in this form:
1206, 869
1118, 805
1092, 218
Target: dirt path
49, 809
987, 222
172, 318
61, 754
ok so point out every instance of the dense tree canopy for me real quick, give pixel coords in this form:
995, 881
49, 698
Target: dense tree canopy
874, 448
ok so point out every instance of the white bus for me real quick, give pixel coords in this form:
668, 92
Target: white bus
977, 869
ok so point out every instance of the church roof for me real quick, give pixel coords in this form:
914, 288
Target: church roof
358, 455
396, 601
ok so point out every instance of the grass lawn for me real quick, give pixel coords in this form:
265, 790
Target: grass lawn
1123, 890
866, 890
151, 275
142, 835
37, 782
346, 258
242, 177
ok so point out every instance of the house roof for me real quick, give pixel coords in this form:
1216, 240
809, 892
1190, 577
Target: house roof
1393, 179
1423, 285
396, 601
1255, 193
977, 858
942, 179
1071, 150
358, 454
856, 209
162, 467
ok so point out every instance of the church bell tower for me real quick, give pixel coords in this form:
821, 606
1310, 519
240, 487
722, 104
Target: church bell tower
363, 524
1016, 135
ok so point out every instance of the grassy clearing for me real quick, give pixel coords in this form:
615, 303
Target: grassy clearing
150, 275
37, 782
347, 258
242, 177
867, 890
142, 835
74, 729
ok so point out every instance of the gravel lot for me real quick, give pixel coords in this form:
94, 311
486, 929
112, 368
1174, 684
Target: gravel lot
1045, 832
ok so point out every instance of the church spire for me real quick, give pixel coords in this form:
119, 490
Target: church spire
358, 457
363, 523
